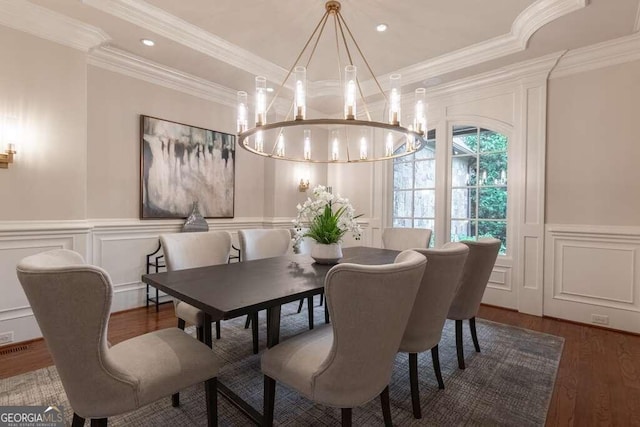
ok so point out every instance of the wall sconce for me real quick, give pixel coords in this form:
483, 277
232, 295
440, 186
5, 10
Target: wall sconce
8, 134
303, 185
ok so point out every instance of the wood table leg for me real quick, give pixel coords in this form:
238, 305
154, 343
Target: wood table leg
273, 326
208, 338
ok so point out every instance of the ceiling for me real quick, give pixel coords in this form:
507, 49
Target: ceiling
429, 41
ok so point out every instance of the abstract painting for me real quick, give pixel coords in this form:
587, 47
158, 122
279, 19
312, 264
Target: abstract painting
182, 164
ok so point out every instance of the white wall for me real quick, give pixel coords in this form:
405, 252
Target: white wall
592, 259
115, 103
44, 85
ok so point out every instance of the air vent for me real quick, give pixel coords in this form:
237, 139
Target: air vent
14, 349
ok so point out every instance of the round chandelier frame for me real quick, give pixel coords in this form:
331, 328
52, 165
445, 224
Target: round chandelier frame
411, 139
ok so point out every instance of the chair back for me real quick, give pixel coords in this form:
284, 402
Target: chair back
369, 307
263, 243
192, 250
400, 239
71, 302
475, 276
437, 289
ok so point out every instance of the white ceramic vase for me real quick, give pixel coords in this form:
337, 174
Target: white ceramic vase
326, 254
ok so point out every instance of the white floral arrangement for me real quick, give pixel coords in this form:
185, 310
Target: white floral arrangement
325, 218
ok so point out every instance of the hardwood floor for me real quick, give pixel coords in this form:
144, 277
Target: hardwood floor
598, 380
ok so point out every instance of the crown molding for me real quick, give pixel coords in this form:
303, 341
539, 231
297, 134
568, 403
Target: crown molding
524, 26
154, 19
119, 61
160, 22
535, 68
41, 22
605, 54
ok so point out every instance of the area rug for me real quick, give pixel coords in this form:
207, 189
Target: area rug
509, 383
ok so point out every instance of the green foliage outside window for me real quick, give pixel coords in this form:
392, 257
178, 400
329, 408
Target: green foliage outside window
491, 198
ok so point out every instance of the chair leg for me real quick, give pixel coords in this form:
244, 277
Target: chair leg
326, 314
435, 357
211, 394
175, 400
200, 333
321, 299
269, 401
78, 421
181, 324
413, 381
247, 322
474, 334
300, 305
459, 348
218, 330
254, 331
310, 306
386, 407
98, 422
346, 417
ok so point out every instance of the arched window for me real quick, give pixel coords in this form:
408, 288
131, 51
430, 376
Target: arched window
479, 184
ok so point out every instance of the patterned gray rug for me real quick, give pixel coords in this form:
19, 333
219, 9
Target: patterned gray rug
509, 383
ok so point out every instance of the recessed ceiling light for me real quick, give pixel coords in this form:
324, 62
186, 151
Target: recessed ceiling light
147, 42
381, 27
269, 89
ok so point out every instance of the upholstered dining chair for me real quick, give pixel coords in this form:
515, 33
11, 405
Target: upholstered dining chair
71, 302
400, 239
475, 276
192, 250
424, 329
343, 364
259, 244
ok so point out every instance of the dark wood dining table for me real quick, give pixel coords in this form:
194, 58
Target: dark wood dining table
232, 290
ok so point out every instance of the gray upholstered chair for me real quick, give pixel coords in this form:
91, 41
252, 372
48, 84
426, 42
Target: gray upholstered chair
424, 329
344, 364
400, 239
475, 276
71, 302
192, 250
259, 244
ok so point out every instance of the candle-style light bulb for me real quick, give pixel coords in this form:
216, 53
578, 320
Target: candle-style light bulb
335, 149
261, 100
301, 91
363, 148
243, 112
388, 149
350, 92
280, 146
307, 144
420, 120
259, 142
395, 102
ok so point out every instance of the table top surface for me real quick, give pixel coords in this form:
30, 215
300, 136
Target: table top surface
231, 290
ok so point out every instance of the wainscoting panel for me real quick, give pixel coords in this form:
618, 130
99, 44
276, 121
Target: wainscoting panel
499, 290
19, 240
592, 275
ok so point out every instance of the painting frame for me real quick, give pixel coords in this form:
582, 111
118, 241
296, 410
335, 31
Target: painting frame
181, 164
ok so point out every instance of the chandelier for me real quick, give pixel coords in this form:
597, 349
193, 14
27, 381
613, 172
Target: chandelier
348, 139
